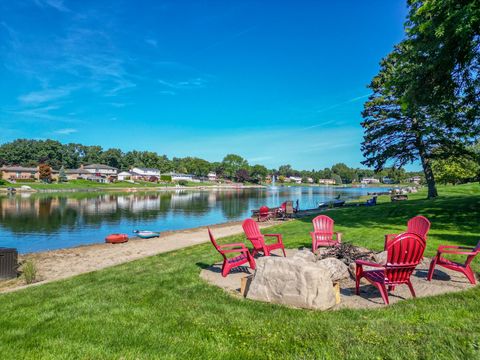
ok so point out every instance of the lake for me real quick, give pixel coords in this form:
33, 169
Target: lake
47, 221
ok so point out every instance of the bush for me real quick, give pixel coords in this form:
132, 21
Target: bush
25, 180
166, 178
29, 270
183, 182
3, 182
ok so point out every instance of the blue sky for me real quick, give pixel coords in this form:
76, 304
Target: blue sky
274, 81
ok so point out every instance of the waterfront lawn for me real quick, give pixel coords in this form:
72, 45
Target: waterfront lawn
158, 307
86, 184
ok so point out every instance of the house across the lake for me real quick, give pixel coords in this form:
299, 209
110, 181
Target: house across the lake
19, 173
295, 179
212, 176
101, 173
415, 179
124, 175
326, 181
76, 174
146, 174
370, 181
185, 177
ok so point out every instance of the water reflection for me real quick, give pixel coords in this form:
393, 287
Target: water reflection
35, 222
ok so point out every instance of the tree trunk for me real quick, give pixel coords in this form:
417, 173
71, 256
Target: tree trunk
427, 170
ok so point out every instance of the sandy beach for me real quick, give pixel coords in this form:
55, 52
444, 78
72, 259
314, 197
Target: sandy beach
60, 264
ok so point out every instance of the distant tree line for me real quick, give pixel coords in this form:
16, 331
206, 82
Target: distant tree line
60, 156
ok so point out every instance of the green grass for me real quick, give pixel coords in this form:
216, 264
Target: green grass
86, 184
158, 307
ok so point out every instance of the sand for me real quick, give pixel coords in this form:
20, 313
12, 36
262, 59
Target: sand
64, 263
444, 281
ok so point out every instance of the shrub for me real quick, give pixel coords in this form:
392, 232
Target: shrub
29, 270
183, 182
25, 180
166, 178
3, 182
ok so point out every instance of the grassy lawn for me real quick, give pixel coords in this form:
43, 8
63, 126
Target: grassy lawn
86, 184
158, 307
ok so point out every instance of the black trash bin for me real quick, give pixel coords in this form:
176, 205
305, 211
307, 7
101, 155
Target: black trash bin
8, 263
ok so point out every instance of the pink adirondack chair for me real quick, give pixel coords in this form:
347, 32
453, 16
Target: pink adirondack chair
452, 265
252, 232
264, 213
233, 262
404, 253
323, 234
418, 225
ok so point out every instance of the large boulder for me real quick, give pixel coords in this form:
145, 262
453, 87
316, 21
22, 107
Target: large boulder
381, 257
289, 281
335, 268
305, 255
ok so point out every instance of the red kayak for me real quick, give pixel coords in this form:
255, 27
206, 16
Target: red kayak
116, 238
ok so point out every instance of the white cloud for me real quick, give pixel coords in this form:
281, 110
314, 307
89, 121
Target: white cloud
152, 42
56, 4
42, 96
193, 83
65, 131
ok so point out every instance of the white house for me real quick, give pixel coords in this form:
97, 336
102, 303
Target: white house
387, 180
101, 170
415, 180
124, 175
138, 173
212, 176
310, 180
326, 181
178, 177
295, 179
370, 181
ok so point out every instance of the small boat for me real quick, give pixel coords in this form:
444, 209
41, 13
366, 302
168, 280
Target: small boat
146, 234
116, 238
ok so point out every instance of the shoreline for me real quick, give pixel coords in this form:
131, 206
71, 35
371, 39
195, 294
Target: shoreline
133, 189
61, 264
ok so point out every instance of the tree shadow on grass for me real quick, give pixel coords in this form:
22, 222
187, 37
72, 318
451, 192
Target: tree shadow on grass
456, 213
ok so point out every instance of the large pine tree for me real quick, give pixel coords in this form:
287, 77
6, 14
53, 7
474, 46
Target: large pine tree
425, 101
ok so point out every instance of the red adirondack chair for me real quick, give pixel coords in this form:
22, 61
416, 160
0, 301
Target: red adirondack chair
404, 253
230, 263
264, 213
452, 265
323, 234
252, 232
418, 225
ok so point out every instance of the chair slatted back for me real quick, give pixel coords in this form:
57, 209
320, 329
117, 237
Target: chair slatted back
324, 226
404, 253
289, 207
214, 242
419, 225
264, 210
471, 257
252, 232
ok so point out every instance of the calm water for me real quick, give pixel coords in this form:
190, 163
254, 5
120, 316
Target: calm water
37, 222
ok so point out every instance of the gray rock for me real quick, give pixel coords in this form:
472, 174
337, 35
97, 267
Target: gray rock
336, 268
380, 258
305, 255
291, 282
352, 268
